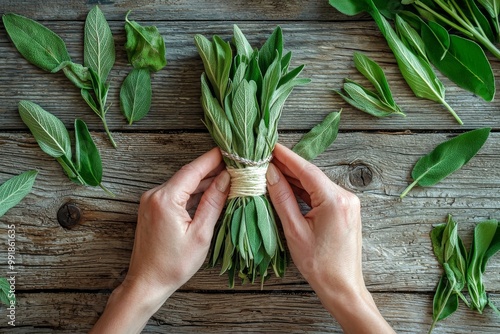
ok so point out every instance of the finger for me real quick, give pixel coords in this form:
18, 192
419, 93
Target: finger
211, 205
283, 168
204, 184
189, 176
284, 202
311, 177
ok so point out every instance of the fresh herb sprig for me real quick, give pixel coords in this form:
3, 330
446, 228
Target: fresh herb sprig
462, 270
447, 158
379, 103
146, 53
85, 166
242, 98
45, 49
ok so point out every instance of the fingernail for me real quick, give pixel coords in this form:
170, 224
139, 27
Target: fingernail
222, 182
272, 175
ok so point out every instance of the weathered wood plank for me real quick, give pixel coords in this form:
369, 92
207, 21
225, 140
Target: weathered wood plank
205, 10
325, 47
95, 254
239, 312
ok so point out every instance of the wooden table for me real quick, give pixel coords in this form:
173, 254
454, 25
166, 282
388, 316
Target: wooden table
64, 276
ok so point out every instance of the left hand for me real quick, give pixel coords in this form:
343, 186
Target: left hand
169, 245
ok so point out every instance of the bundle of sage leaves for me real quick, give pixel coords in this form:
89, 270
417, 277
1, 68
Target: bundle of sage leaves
242, 98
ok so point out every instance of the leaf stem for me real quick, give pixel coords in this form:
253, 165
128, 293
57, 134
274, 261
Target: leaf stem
436, 319
107, 131
460, 294
490, 304
450, 109
410, 187
442, 18
106, 190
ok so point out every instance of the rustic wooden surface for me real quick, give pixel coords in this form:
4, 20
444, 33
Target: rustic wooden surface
65, 275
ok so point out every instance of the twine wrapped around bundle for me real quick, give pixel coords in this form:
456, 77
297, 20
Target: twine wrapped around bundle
242, 97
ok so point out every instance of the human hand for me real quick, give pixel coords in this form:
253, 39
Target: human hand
169, 245
325, 244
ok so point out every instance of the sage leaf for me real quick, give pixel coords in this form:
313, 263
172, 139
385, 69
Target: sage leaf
38, 44
267, 53
446, 158
88, 160
78, 75
145, 46
254, 237
463, 61
135, 95
99, 46
411, 37
445, 302
486, 243
241, 43
374, 73
15, 189
6, 296
264, 221
319, 138
49, 132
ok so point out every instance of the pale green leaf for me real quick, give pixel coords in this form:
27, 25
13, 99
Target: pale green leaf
15, 189
48, 130
135, 95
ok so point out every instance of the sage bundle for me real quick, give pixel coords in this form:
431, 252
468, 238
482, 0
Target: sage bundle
242, 97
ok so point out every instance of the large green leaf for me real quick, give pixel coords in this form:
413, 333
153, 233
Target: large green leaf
145, 46
48, 130
88, 160
447, 157
38, 44
135, 95
99, 46
319, 138
463, 61
15, 189
265, 223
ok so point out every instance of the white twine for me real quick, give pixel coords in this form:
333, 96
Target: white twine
249, 181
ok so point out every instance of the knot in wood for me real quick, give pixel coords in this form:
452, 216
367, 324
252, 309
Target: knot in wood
360, 175
69, 215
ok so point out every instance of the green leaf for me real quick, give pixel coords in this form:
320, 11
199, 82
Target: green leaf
48, 130
445, 302
349, 7
145, 46
410, 37
15, 189
464, 61
38, 44
99, 46
447, 157
374, 73
253, 234
484, 245
88, 160
244, 110
241, 43
319, 138
491, 6
7, 297
135, 95
366, 100
265, 226
267, 53
78, 75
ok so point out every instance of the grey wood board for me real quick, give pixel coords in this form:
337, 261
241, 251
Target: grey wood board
325, 47
95, 254
188, 312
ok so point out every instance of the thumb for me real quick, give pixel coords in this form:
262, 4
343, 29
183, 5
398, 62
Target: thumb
212, 202
284, 201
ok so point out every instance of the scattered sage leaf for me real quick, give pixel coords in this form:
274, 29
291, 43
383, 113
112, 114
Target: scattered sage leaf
15, 189
135, 95
88, 160
6, 296
49, 132
38, 44
445, 302
463, 61
78, 75
319, 138
145, 46
446, 158
99, 46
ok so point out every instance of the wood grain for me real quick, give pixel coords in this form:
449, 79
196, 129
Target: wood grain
95, 254
274, 312
325, 47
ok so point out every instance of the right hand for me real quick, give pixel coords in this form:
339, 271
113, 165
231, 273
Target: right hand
325, 244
